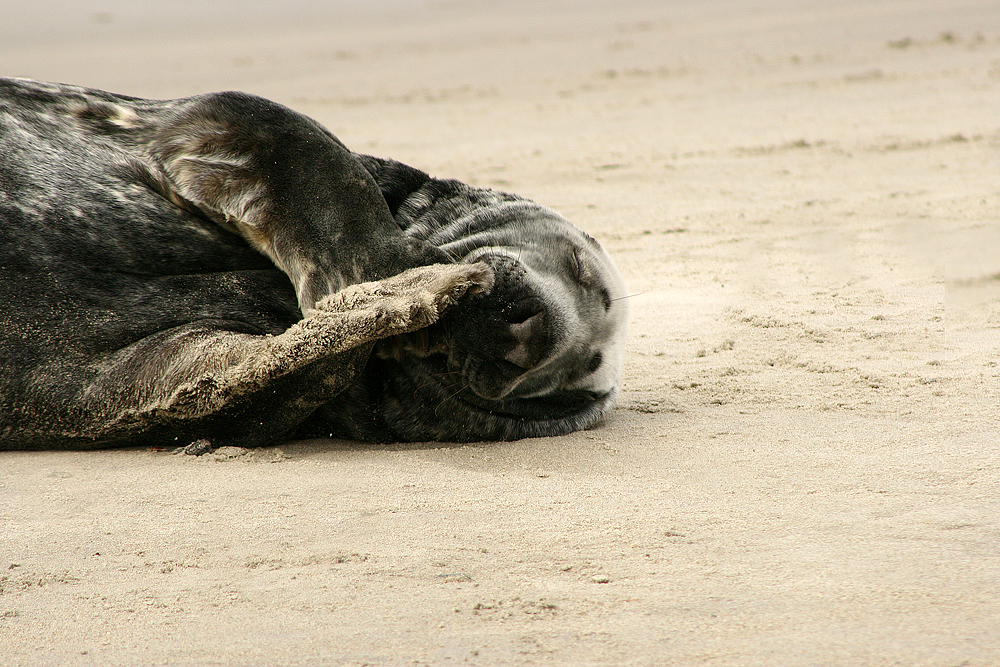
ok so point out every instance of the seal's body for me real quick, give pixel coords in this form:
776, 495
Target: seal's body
220, 267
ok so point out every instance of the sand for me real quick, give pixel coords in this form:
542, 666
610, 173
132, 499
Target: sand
803, 468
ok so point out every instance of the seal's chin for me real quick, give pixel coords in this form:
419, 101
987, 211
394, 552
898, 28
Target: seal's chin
479, 387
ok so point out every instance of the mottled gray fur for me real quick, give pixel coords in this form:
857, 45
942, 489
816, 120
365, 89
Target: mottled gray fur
221, 267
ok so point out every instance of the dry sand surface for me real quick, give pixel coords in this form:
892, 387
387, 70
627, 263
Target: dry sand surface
803, 468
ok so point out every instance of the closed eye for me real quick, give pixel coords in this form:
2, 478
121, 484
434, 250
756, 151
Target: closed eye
579, 269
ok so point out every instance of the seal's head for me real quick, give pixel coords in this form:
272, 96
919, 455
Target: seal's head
541, 354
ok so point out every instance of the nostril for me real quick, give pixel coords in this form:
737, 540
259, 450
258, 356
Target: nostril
528, 328
521, 312
528, 335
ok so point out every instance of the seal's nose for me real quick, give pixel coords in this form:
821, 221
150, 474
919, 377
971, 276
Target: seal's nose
528, 335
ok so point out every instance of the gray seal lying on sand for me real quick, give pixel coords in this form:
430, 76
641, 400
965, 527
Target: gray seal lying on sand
221, 267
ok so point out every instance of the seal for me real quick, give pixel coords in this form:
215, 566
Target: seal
221, 267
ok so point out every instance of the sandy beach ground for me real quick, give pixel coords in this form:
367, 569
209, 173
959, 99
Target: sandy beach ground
804, 467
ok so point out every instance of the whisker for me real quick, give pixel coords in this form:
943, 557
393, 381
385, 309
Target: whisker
435, 378
444, 401
627, 297
448, 398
